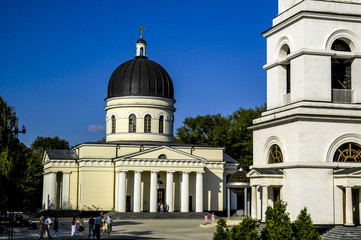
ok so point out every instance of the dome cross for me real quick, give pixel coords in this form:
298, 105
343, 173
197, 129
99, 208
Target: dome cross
141, 31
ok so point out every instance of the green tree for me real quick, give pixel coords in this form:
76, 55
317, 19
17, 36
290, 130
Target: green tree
303, 227
246, 230
12, 159
230, 132
278, 223
221, 230
32, 185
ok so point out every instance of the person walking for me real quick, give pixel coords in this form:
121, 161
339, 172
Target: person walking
42, 227
73, 227
205, 219
81, 226
97, 223
91, 226
213, 217
109, 224
47, 226
56, 227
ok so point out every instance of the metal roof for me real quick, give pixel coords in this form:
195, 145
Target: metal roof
61, 154
228, 159
347, 171
140, 77
271, 171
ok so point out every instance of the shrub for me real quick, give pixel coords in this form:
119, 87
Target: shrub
221, 233
303, 227
278, 223
246, 230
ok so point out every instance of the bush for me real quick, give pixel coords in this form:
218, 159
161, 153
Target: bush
221, 233
246, 230
278, 223
303, 227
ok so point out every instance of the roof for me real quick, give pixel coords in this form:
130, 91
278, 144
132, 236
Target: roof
61, 154
150, 143
271, 171
141, 40
140, 77
228, 159
239, 176
347, 171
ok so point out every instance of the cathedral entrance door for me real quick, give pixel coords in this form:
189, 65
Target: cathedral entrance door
127, 204
355, 206
160, 195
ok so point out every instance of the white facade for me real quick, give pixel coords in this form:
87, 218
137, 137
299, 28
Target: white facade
313, 116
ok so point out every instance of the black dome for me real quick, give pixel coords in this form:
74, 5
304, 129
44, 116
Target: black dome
140, 77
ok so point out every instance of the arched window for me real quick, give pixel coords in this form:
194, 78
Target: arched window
162, 156
348, 152
275, 154
113, 124
141, 51
147, 123
284, 51
132, 123
341, 73
161, 124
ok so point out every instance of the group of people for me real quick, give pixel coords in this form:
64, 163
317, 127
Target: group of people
45, 226
95, 226
162, 207
100, 222
213, 217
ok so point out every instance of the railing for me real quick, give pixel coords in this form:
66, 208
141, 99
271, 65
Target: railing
287, 98
342, 95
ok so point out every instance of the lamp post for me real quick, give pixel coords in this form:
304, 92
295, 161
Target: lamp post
14, 128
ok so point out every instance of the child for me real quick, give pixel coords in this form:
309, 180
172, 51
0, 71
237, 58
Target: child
104, 226
205, 219
213, 217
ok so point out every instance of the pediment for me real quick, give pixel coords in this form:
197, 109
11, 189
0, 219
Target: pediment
253, 173
168, 152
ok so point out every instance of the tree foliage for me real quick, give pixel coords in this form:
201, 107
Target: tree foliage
303, 227
21, 169
245, 230
278, 223
230, 132
222, 232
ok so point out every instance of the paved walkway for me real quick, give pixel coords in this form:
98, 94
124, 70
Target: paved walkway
136, 229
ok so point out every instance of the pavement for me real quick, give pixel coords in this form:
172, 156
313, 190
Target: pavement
135, 229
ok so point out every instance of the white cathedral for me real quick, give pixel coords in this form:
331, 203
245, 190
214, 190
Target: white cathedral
307, 145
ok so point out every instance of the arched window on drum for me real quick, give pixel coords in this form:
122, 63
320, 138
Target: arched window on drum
275, 154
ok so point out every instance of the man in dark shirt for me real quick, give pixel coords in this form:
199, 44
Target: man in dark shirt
91, 226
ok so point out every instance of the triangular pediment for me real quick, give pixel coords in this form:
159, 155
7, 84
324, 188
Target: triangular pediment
253, 173
157, 152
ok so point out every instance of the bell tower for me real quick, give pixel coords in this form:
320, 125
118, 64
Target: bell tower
313, 104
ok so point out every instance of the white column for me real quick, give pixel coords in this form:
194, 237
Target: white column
169, 191
137, 191
199, 192
254, 202
121, 193
264, 202
228, 203
245, 202
359, 204
66, 190
185, 192
349, 213
45, 192
51, 198
153, 191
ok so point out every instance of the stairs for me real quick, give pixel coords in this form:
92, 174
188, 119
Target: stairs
343, 232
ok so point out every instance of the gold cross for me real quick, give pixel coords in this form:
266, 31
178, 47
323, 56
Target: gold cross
141, 31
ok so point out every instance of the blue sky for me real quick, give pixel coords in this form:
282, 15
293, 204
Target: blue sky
56, 58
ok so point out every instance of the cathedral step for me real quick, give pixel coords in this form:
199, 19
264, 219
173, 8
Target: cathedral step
344, 233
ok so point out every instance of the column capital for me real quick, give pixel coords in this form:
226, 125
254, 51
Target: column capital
201, 172
170, 171
66, 172
154, 171
138, 171
121, 171
186, 172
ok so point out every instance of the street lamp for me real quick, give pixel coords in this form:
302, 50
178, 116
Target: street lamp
14, 128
